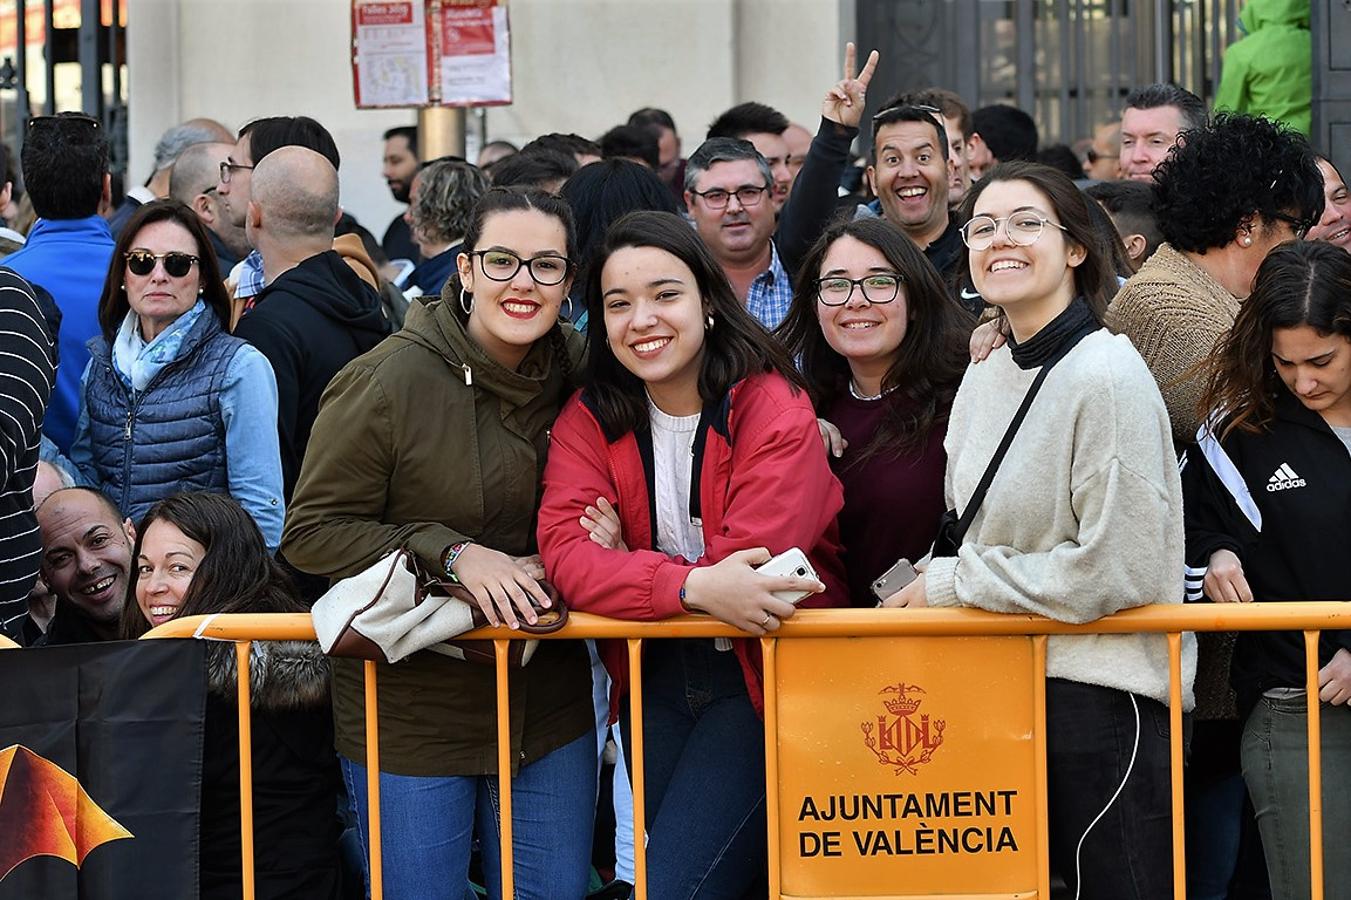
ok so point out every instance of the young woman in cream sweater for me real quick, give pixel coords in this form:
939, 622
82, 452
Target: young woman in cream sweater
1083, 518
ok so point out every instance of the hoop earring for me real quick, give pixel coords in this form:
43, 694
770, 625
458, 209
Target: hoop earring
466, 301
568, 315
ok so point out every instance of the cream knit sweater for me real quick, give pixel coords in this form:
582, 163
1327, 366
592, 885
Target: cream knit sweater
1084, 517
1174, 312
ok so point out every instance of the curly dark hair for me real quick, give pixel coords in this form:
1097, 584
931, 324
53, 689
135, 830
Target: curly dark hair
1300, 283
236, 575
930, 360
1237, 168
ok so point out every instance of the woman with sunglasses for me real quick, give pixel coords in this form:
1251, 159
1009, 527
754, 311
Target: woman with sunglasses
170, 401
882, 347
690, 457
1083, 518
1268, 501
435, 441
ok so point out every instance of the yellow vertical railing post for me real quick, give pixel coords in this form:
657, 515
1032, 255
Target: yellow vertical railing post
639, 766
503, 650
768, 648
377, 869
1175, 765
1315, 760
1039, 754
242, 650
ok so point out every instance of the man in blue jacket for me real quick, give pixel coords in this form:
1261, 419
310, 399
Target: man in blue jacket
65, 169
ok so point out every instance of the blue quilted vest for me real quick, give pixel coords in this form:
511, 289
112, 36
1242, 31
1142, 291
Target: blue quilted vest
169, 437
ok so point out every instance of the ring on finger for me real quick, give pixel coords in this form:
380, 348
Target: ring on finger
764, 623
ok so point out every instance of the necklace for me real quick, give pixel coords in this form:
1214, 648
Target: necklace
859, 395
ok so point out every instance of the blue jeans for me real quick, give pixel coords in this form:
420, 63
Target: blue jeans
705, 773
427, 826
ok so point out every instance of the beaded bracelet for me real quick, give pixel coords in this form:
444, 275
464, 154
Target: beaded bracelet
452, 554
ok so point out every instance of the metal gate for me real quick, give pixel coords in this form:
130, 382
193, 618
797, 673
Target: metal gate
1068, 62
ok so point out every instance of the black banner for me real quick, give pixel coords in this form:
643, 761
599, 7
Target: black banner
100, 770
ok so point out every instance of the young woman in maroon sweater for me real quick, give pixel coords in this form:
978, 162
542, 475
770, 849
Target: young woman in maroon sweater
882, 345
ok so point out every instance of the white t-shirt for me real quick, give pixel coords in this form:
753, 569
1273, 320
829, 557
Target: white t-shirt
1343, 432
673, 462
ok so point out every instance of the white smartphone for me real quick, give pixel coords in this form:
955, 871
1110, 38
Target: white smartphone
790, 562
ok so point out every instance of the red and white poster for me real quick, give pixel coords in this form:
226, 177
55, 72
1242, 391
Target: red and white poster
430, 53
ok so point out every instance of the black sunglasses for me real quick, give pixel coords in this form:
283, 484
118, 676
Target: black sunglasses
176, 265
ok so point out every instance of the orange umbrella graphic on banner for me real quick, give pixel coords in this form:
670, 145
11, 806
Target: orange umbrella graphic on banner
45, 812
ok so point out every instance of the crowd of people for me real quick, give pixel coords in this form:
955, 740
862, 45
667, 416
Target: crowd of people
1064, 388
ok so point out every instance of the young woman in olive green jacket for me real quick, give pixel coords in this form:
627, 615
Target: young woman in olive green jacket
436, 440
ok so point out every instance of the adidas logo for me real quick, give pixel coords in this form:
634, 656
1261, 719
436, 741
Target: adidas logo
1284, 479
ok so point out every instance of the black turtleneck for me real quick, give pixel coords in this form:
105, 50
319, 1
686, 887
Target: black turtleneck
1056, 337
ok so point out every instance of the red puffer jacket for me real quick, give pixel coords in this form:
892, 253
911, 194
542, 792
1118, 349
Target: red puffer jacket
761, 479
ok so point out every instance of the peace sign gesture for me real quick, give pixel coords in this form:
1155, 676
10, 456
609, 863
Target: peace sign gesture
844, 101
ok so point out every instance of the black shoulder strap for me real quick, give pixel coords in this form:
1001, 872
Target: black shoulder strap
978, 496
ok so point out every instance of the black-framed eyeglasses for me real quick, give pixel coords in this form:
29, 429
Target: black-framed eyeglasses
226, 167
176, 264
1301, 226
1093, 156
65, 117
717, 198
837, 290
502, 265
1023, 229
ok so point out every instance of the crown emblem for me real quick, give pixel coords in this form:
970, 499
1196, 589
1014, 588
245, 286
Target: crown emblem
902, 739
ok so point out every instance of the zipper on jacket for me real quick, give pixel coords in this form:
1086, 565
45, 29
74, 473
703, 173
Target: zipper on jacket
468, 374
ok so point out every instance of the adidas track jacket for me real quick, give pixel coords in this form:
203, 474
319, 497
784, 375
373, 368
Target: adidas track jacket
1281, 501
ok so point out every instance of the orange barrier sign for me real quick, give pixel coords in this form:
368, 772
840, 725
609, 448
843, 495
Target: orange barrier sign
907, 767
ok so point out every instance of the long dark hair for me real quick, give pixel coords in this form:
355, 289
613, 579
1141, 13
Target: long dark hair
113, 303
502, 199
1110, 237
1300, 283
1094, 279
734, 347
603, 192
237, 574
930, 359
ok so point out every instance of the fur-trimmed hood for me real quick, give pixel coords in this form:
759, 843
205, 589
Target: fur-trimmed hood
283, 675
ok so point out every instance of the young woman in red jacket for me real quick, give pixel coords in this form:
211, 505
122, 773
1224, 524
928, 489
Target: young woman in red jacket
690, 456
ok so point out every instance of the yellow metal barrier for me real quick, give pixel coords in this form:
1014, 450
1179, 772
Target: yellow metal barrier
1172, 620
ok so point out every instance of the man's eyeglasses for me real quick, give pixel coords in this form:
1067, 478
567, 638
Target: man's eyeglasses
931, 110
176, 265
718, 198
226, 167
1023, 229
502, 265
1301, 226
879, 288
1093, 156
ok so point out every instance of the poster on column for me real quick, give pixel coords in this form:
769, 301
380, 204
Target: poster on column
907, 767
421, 53
475, 54
389, 54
